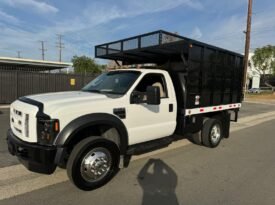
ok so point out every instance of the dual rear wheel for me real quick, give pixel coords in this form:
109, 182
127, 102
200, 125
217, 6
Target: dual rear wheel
210, 135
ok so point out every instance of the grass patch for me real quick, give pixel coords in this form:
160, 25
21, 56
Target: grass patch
264, 96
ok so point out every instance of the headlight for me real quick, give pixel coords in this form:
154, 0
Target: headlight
47, 130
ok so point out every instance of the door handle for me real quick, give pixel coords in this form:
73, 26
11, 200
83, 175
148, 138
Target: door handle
171, 107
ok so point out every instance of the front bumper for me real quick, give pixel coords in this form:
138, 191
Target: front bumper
34, 157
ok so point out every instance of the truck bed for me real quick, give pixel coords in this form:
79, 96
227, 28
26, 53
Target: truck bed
203, 75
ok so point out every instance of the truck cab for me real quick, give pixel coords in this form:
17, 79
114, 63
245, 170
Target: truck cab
94, 132
127, 107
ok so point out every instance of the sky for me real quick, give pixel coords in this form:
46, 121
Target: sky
86, 23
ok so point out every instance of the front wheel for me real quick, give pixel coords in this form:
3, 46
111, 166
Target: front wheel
93, 162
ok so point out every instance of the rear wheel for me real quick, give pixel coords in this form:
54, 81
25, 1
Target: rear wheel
196, 138
212, 133
92, 163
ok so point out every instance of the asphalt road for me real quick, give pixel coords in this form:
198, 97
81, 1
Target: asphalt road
240, 171
248, 109
5, 158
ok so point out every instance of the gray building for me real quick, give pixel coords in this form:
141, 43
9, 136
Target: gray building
22, 64
21, 77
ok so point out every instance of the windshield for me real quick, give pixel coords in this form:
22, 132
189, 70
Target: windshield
114, 82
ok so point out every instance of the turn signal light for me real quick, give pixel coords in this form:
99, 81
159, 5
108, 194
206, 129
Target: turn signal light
56, 126
47, 130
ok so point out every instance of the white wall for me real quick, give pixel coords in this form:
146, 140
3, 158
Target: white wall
253, 73
255, 82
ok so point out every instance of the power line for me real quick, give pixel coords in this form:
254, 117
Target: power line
263, 31
60, 45
255, 32
42, 49
234, 34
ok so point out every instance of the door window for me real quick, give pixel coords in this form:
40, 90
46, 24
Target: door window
152, 80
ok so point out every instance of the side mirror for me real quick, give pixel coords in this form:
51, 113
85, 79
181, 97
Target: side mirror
153, 95
136, 98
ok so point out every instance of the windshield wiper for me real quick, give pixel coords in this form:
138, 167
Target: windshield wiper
102, 92
92, 91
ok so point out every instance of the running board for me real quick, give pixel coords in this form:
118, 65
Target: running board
149, 146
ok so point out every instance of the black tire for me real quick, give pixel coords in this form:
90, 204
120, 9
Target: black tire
80, 151
196, 138
206, 133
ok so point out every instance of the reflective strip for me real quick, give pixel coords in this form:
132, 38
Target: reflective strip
200, 110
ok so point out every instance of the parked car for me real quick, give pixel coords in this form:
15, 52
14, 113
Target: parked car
93, 132
254, 90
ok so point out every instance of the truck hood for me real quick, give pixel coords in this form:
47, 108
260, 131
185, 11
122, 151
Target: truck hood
54, 101
65, 97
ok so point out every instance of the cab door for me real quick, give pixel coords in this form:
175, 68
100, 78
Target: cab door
148, 122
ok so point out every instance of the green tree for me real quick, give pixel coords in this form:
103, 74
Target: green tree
84, 64
264, 60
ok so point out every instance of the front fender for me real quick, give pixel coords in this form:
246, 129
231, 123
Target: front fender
85, 121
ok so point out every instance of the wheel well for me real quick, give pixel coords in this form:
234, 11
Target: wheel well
213, 114
217, 115
224, 118
107, 131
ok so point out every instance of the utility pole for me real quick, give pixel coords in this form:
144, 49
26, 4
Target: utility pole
60, 45
247, 44
19, 54
43, 49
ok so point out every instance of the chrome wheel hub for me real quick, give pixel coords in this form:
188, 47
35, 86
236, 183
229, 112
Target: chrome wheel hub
96, 164
215, 134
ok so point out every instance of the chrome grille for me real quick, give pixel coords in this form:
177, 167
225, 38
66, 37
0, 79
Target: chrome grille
17, 112
19, 122
23, 121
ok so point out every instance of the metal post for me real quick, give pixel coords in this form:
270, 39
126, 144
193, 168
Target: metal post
42, 49
18, 54
247, 44
60, 46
